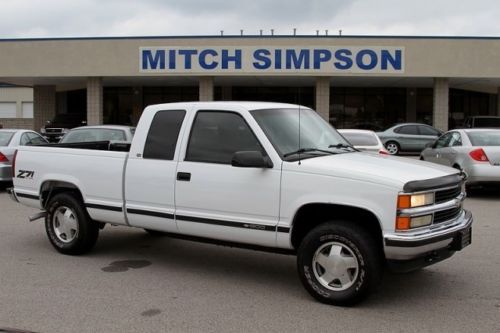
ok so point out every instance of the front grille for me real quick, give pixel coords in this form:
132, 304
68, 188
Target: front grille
446, 215
448, 194
53, 130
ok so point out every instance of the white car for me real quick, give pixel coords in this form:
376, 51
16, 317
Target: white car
114, 133
10, 139
364, 140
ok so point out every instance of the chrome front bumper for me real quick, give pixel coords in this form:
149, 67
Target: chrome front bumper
407, 246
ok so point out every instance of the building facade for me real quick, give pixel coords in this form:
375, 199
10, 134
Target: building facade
351, 81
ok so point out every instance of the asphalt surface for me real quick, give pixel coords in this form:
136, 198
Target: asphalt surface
133, 282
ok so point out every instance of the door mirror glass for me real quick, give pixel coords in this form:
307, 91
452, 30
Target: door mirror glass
250, 159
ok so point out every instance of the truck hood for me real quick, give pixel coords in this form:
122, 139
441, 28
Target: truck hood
374, 168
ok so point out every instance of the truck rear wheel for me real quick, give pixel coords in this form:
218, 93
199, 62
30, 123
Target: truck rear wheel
68, 225
339, 263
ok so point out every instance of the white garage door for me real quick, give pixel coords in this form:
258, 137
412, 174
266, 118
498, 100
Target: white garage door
7, 109
27, 109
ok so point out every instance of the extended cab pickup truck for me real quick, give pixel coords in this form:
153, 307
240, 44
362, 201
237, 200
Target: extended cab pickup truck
260, 175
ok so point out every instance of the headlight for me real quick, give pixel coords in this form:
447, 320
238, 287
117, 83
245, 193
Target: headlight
407, 222
415, 200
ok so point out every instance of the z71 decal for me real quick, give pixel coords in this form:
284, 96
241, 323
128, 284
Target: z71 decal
25, 174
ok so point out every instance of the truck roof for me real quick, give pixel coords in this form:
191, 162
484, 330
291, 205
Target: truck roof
211, 105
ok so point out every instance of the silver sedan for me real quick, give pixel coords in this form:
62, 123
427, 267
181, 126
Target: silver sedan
475, 151
9, 140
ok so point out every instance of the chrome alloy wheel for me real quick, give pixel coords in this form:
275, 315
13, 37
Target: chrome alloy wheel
335, 266
392, 148
65, 224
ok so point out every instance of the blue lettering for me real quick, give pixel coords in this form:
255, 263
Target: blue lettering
188, 55
299, 62
203, 59
344, 60
171, 59
262, 59
236, 58
277, 59
372, 58
395, 61
321, 56
150, 62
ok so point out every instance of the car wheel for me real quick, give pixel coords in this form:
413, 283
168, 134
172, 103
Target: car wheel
339, 263
392, 147
68, 225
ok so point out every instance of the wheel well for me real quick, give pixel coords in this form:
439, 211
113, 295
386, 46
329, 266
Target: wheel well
51, 188
311, 215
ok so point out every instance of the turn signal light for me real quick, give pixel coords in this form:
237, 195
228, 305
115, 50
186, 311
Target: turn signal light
3, 158
402, 223
479, 155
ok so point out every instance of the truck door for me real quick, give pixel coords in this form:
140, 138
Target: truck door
220, 201
150, 174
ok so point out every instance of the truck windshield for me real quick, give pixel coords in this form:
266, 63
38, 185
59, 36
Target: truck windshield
317, 137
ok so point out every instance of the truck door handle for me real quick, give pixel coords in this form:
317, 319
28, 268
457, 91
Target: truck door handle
184, 176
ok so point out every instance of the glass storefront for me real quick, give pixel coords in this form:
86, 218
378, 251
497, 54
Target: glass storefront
294, 95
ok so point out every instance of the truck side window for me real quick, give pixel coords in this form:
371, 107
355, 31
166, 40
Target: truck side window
216, 136
163, 134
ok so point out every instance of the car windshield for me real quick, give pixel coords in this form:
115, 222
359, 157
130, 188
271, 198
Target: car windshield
361, 139
5, 138
484, 138
94, 134
317, 137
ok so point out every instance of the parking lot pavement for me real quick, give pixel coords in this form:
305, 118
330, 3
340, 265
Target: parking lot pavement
133, 282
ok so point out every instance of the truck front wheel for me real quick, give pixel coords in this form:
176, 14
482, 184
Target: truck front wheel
68, 225
339, 263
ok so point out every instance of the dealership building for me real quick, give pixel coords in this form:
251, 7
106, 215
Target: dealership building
351, 81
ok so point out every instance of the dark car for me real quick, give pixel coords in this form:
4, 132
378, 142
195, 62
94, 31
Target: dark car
408, 137
55, 129
482, 122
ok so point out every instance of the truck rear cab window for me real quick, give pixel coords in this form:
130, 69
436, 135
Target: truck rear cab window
217, 135
163, 134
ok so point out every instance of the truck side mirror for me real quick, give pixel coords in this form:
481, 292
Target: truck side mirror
251, 159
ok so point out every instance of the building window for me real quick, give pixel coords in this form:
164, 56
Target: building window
27, 109
7, 109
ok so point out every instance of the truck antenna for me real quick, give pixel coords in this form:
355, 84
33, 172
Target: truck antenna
299, 123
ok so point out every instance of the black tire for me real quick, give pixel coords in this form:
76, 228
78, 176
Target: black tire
81, 239
155, 233
393, 151
363, 249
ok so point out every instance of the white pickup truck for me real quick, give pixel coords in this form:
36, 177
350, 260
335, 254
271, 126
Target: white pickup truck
243, 174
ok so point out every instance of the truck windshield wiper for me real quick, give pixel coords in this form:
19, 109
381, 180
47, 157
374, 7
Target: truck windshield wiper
343, 146
308, 150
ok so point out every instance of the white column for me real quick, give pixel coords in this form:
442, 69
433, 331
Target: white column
440, 104
94, 101
44, 105
323, 97
206, 89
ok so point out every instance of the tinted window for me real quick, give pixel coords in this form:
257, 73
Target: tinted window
361, 139
487, 122
5, 138
24, 139
427, 130
409, 129
36, 139
216, 136
163, 135
94, 134
484, 138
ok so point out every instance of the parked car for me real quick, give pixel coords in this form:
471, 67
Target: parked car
56, 128
482, 122
10, 139
364, 140
237, 173
114, 133
408, 137
475, 151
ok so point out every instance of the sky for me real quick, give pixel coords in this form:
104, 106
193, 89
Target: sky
92, 18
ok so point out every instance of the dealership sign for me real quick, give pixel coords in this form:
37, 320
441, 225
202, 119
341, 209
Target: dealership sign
255, 60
